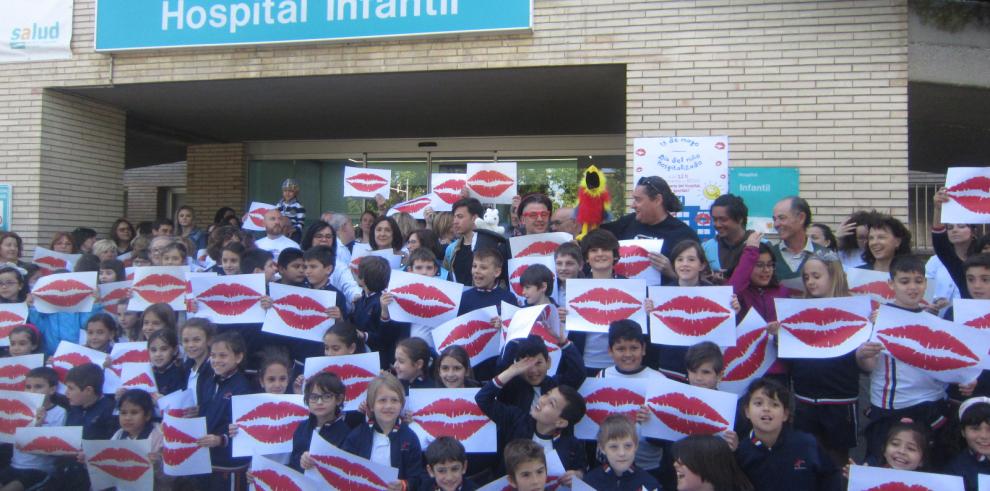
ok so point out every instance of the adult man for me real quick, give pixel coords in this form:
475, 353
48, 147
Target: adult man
344, 229
653, 203
791, 218
460, 253
533, 214
729, 214
563, 221
274, 240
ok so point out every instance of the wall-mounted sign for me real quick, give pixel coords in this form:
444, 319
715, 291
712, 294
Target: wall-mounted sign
147, 24
761, 188
32, 30
6, 201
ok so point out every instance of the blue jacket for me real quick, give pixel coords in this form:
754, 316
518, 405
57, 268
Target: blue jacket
406, 453
795, 463
173, 377
60, 326
367, 316
334, 432
214, 404
473, 299
97, 420
603, 478
968, 466
513, 422
519, 393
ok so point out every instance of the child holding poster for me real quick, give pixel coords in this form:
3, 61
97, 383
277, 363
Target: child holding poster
601, 251
273, 377
569, 262
163, 353
324, 395
196, 334
974, 459
617, 441
373, 276
27, 470
227, 352
907, 449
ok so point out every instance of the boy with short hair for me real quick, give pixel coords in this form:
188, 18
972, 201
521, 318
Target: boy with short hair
705, 365
446, 462
91, 409
373, 276
162, 227
319, 263
977, 271
525, 465
898, 390
548, 420
617, 441
537, 284
775, 457
292, 267
259, 261
524, 392
27, 469
486, 269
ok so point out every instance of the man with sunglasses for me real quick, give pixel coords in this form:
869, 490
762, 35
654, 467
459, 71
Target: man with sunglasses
653, 206
533, 215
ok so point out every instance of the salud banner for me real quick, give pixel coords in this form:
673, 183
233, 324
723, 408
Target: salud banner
35, 30
696, 168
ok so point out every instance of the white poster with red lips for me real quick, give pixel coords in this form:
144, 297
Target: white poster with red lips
493, 182
68, 355
355, 371
538, 320
678, 410
969, 195
121, 464
447, 188
266, 422
518, 266
931, 344
593, 304
49, 440
538, 244
422, 299
604, 397
49, 261
126, 258
138, 376
113, 294
555, 470
973, 314
360, 182
14, 369
269, 475
507, 312
178, 403
472, 331
414, 207
874, 284
128, 352
360, 250
11, 316
299, 312
343, 470
864, 478
751, 357
230, 299
394, 260
17, 410
822, 327
65, 292
634, 260
181, 455
158, 284
685, 316
254, 219
450, 412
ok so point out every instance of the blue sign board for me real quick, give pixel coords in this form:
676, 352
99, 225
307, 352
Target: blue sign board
149, 24
761, 188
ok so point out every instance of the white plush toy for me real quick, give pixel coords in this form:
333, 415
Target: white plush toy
489, 222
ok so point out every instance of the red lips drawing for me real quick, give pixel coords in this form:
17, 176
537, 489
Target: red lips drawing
114, 296
355, 378
687, 415
49, 264
121, 463
823, 328
257, 216
459, 418
899, 486
423, 301
473, 336
132, 356
49, 445
367, 182
229, 299
8, 321
12, 377
63, 363
633, 260
516, 277
877, 289
300, 312
273, 480
605, 401
952, 354
490, 183
450, 190
14, 414
142, 380
691, 316
273, 422
979, 322
539, 248
343, 474
602, 306
159, 288
64, 293
972, 194
744, 359
414, 205
178, 447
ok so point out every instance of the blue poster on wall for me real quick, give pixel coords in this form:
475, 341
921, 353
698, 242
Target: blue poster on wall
761, 188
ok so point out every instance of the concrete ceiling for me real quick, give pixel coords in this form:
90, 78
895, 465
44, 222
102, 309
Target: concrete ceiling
164, 117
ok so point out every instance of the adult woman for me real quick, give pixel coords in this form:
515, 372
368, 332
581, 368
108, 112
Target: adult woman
319, 234
821, 234
367, 218
122, 233
442, 225
11, 248
385, 234
62, 242
888, 238
853, 234
185, 227
427, 239
322, 234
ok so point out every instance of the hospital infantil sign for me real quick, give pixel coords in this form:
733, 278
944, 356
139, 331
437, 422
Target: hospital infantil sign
153, 24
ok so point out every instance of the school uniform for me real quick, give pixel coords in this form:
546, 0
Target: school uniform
171, 377
968, 465
403, 453
197, 378
519, 393
604, 478
513, 422
796, 462
430, 484
477, 298
97, 419
214, 404
650, 450
334, 432
825, 393
421, 382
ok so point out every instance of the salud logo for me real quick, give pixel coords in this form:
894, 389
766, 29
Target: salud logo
21, 37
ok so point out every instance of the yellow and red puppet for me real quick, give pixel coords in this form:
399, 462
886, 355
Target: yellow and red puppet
593, 201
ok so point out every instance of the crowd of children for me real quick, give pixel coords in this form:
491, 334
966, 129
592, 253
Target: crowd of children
796, 428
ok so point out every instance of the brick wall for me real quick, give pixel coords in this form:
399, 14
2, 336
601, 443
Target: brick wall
142, 186
821, 85
216, 176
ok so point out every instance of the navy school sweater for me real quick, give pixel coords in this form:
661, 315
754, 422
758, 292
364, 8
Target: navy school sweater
214, 404
796, 462
97, 419
520, 394
334, 432
968, 465
604, 478
406, 454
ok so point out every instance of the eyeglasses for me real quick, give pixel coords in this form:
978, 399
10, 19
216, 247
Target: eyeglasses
536, 214
320, 398
764, 265
9, 283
